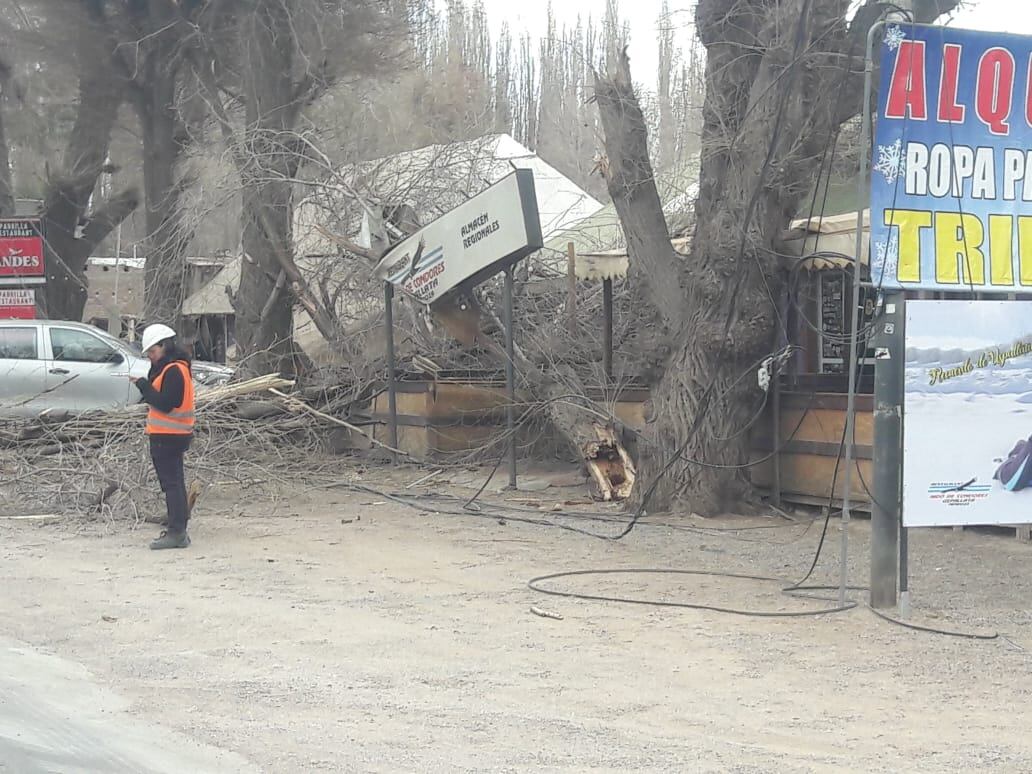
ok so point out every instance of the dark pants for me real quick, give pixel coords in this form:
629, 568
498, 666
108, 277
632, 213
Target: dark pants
167, 454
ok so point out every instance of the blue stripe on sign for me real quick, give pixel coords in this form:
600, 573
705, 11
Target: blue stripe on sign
955, 489
420, 269
430, 259
1011, 485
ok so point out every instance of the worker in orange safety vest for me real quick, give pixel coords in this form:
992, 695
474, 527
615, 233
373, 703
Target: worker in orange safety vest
169, 391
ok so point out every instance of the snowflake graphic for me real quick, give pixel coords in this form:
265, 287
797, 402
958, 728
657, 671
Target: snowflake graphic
891, 162
894, 37
886, 263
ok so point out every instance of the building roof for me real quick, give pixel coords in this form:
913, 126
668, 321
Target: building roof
432, 180
602, 232
830, 242
213, 298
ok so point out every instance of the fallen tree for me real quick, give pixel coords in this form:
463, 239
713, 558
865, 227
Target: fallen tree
96, 464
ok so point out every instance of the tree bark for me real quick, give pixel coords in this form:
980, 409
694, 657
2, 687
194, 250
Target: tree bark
67, 198
772, 103
167, 237
7, 209
152, 65
264, 331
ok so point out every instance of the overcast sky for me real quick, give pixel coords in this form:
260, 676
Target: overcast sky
531, 15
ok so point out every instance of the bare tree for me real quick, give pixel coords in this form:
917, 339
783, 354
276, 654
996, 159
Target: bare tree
782, 76
288, 54
150, 42
75, 221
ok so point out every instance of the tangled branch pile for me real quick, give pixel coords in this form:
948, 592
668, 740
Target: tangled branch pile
97, 465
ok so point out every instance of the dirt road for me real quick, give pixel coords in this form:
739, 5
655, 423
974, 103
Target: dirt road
54, 717
300, 638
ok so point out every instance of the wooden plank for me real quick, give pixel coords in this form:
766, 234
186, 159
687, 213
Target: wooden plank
825, 400
459, 399
445, 440
856, 506
412, 440
818, 448
821, 425
494, 419
811, 475
631, 413
412, 403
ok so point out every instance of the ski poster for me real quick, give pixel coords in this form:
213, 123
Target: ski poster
967, 450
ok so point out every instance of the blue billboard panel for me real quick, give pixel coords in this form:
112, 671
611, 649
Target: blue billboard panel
951, 180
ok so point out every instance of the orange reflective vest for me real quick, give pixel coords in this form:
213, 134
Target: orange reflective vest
179, 421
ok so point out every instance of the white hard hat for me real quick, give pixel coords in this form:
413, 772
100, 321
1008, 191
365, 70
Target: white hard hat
155, 334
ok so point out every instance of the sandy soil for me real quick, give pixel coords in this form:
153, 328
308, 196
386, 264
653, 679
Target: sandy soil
301, 638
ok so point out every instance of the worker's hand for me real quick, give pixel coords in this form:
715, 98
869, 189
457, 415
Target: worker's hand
134, 379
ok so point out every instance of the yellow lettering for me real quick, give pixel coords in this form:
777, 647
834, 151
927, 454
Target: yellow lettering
909, 223
1001, 249
1025, 248
958, 257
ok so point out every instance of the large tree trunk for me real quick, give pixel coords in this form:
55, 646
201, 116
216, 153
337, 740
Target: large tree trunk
779, 83
67, 199
6, 187
167, 237
154, 67
264, 302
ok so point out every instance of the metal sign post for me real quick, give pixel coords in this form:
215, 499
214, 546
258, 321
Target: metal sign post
469, 244
854, 331
510, 374
889, 375
392, 393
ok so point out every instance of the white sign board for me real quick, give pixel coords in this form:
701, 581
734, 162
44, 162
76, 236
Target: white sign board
967, 453
17, 304
470, 243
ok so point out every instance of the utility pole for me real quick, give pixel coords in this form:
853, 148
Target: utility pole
889, 383
889, 376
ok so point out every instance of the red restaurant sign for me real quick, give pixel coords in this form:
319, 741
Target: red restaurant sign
17, 304
21, 252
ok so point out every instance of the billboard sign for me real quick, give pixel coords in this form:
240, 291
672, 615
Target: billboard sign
951, 180
21, 252
469, 243
967, 451
17, 304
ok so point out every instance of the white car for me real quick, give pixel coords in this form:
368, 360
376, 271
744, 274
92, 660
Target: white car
67, 366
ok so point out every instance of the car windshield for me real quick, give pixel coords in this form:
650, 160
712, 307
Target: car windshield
121, 345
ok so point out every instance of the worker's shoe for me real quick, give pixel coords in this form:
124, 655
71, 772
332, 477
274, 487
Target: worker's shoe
170, 540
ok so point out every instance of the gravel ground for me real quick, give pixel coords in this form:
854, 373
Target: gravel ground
334, 631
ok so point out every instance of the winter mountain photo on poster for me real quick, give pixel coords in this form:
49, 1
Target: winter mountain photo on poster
967, 453
951, 183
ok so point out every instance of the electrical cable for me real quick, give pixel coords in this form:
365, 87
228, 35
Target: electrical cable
535, 585
932, 629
